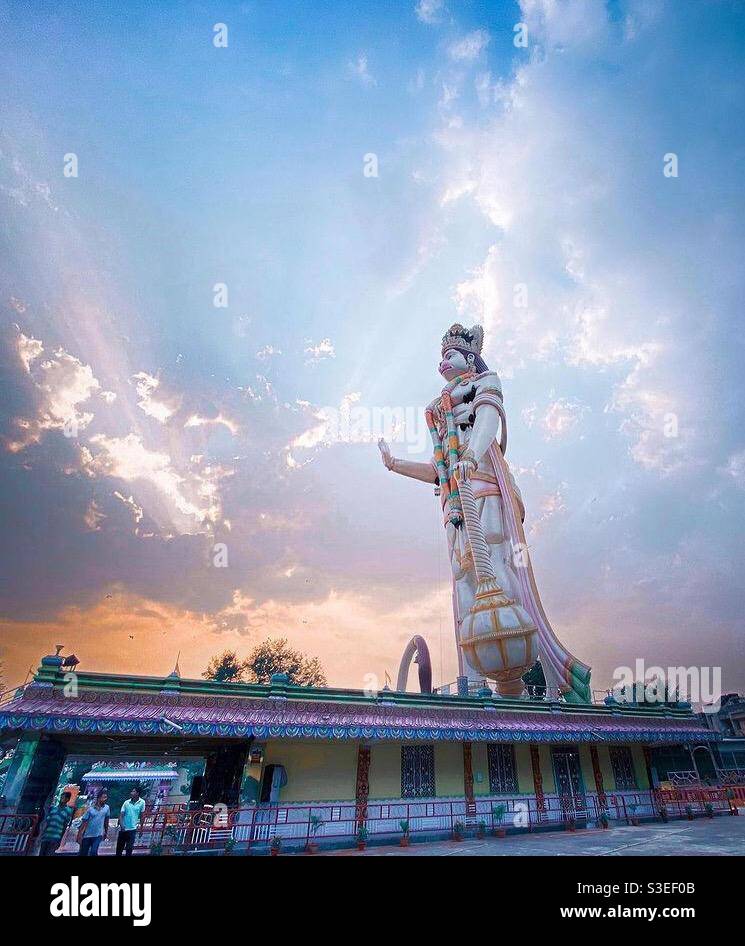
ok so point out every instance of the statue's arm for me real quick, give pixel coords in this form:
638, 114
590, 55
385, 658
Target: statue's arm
414, 469
487, 406
485, 430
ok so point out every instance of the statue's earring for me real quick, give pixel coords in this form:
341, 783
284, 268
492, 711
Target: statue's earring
471, 359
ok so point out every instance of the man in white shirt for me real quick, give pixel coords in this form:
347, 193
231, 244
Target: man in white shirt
129, 822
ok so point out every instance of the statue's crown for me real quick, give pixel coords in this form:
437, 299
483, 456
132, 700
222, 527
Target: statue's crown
467, 339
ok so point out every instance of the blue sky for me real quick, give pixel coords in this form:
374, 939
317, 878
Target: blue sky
498, 167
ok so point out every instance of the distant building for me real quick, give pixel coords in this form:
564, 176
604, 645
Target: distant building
729, 724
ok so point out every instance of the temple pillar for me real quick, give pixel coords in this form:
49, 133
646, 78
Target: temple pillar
251, 781
20, 766
223, 773
654, 782
468, 775
598, 776
535, 761
362, 790
34, 772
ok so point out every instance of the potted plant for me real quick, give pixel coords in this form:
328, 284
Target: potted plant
458, 831
405, 839
361, 837
689, 812
571, 821
633, 820
604, 819
156, 849
709, 809
497, 816
275, 846
481, 829
663, 813
316, 821
168, 839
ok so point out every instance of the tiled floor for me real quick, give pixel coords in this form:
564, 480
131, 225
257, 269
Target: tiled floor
723, 835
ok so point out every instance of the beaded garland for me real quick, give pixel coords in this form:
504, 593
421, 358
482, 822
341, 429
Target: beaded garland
446, 468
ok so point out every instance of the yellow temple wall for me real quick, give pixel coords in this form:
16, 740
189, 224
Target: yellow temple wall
385, 770
547, 769
524, 769
327, 771
449, 769
480, 765
609, 781
316, 771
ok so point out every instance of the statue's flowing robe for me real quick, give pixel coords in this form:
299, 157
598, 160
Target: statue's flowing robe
501, 512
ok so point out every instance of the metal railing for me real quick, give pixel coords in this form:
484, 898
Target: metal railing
690, 777
253, 828
16, 833
297, 825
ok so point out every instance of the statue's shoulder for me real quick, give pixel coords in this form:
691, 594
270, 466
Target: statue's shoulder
488, 381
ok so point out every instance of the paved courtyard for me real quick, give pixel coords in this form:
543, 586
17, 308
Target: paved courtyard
723, 835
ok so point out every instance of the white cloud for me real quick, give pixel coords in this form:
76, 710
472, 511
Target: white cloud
62, 384
430, 11
93, 517
360, 68
193, 496
469, 47
29, 349
323, 350
136, 510
267, 352
735, 468
146, 384
197, 421
561, 416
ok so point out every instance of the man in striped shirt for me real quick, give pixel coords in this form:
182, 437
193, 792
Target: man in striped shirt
55, 826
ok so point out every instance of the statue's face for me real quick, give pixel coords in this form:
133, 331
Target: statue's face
453, 363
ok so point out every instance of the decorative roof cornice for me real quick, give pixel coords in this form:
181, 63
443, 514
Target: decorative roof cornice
46, 708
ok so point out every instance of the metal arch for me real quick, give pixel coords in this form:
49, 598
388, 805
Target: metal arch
417, 650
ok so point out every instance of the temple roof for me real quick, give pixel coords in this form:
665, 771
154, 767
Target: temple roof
108, 705
111, 774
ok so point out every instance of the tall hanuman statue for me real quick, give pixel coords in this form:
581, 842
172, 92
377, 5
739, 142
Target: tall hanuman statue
500, 625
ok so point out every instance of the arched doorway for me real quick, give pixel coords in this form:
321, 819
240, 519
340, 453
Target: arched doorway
705, 764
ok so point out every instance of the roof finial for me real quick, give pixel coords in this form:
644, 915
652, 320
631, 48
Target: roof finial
176, 672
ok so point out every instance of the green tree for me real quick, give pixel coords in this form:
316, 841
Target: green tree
276, 656
226, 668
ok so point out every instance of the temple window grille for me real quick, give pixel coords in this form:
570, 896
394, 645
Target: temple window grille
502, 769
417, 771
623, 767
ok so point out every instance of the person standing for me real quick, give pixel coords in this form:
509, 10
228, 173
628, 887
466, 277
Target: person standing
94, 826
55, 826
129, 822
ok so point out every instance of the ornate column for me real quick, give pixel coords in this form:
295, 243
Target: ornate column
598, 775
18, 771
468, 775
363, 782
535, 761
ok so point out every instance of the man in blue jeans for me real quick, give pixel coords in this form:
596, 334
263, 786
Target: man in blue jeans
95, 825
129, 822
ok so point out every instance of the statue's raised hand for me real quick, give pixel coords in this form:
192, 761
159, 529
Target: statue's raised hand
385, 453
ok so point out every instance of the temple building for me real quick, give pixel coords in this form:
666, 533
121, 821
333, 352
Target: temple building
278, 753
